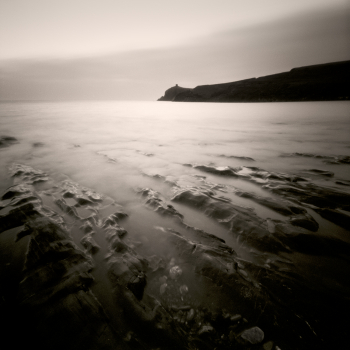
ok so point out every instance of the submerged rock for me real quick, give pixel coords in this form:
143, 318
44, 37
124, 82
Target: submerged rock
6, 141
336, 216
175, 272
154, 201
89, 244
325, 159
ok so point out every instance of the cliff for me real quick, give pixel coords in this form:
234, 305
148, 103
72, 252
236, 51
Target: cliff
324, 82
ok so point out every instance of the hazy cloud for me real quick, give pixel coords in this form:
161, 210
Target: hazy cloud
256, 50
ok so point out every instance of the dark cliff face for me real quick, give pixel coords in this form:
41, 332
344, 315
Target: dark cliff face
170, 94
325, 82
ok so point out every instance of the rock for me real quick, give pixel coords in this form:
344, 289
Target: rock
163, 288
277, 206
325, 158
89, 244
175, 272
128, 271
155, 263
238, 157
305, 221
337, 217
190, 315
116, 230
25, 174
235, 318
113, 219
18, 216
223, 171
87, 227
268, 345
17, 190
6, 141
205, 329
183, 289
154, 201
253, 335
321, 172
163, 279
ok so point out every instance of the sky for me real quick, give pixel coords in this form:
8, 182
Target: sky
136, 49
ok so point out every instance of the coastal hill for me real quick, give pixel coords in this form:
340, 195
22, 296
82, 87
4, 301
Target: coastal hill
323, 82
170, 94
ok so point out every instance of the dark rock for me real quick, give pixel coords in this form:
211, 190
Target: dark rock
253, 335
321, 197
128, 271
87, 227
321, 172
6, 141
273, 204
113, 219
154, 201
89, 244
325, 159
224, 171
335, 216
305, 221
27, 175
237, 157
61, 203
18, 216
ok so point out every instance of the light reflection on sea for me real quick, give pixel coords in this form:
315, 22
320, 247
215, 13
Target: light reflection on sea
114, 147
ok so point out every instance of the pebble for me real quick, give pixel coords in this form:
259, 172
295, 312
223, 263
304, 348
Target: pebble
183, 289
235, 318
190, 315
205, 329
253, 335
163, 279
163, 288
175, 272
268, 345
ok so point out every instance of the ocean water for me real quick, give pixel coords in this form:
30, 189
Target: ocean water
116, 148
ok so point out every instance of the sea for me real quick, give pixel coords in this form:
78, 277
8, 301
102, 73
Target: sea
117, 148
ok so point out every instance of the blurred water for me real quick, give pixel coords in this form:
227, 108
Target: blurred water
116, 147
106, 143
110, 146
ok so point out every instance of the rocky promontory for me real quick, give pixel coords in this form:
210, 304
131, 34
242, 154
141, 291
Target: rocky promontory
171, 93
323, 82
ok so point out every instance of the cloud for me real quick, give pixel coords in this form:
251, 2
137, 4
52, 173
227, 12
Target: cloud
256, 50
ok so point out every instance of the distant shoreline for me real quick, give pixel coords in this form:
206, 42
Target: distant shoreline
323, 82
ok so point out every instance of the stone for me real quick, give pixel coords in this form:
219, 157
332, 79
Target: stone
268, 345
253, 335
190, 315
6, 141
205, 329
89, 244
175, 272
183, 289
